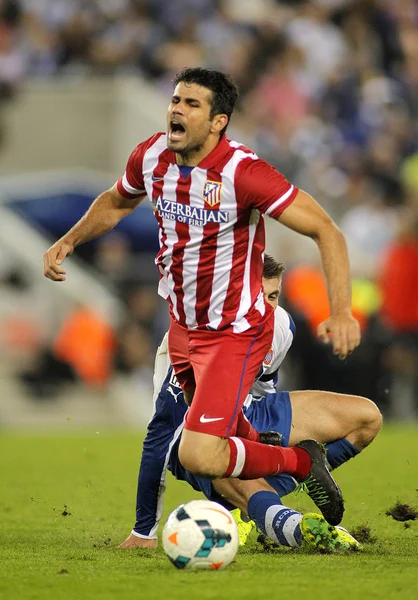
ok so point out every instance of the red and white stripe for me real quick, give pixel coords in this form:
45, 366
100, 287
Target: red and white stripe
241, 237
191, 273
211, 273
239, 457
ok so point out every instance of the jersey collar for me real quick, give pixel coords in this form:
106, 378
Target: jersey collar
216, 155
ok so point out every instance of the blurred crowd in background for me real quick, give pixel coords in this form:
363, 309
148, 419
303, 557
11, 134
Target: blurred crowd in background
329, 95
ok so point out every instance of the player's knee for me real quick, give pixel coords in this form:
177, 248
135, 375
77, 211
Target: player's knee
373, 418
201, 463
370, 421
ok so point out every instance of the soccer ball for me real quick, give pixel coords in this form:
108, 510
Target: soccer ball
200, 535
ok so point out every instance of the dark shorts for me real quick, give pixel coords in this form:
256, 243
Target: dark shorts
272, 413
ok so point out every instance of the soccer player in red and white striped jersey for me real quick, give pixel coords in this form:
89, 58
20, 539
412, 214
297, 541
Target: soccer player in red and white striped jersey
209, 196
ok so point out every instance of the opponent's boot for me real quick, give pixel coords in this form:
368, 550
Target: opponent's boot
272, 438
320, 485
244, 526
319, 535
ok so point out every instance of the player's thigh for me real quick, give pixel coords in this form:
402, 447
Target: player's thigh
325, 416
203, 454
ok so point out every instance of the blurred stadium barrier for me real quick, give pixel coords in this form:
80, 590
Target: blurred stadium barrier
63, 123
33, 316
66, 142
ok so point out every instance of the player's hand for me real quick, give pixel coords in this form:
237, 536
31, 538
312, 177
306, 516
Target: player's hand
53, 259
133, 541
343, 331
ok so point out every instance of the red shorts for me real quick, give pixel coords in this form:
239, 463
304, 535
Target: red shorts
221, 366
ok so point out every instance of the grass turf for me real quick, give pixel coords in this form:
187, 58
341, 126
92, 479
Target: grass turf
67, 501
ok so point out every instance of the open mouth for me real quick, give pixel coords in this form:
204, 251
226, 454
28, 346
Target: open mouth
177, 131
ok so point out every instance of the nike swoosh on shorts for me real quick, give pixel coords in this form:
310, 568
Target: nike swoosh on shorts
204, 419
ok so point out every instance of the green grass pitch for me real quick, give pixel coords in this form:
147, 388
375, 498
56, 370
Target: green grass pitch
67, 501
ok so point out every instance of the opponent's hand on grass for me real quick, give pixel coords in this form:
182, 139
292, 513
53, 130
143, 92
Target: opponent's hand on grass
53, 259
133, 541
343, 331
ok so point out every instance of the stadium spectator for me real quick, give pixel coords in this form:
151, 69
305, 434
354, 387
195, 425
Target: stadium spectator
82, 351
399, 315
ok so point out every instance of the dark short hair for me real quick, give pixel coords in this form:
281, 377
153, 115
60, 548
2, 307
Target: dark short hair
224, 89
272, 268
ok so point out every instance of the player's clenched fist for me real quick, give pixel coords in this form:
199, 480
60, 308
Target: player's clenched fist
53, 259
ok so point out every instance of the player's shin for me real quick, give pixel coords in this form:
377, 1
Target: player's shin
339, 452
250, 460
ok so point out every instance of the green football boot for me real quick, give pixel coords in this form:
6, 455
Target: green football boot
321, 536
244, 526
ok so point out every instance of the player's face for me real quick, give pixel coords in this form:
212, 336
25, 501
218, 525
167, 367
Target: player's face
188, 119
272, 289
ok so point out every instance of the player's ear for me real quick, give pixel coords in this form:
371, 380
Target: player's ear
218, 123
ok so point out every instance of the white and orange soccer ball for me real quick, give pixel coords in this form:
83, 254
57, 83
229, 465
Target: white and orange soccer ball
200, 535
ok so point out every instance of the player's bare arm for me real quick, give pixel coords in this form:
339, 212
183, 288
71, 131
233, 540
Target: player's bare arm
102, 216
307, 217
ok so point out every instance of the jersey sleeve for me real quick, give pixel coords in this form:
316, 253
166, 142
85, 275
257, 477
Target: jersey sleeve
164, 429
259, 185
284, 333
152, 471
131, 184
151, 479
284, 330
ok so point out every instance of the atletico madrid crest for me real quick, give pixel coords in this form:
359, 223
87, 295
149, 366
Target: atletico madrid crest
212, 192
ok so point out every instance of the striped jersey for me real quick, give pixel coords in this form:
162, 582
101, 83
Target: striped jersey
211, 228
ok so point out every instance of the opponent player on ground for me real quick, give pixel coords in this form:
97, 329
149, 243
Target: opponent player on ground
210, 196
345, 423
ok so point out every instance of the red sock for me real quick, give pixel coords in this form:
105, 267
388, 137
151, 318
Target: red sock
250, 460
245, 429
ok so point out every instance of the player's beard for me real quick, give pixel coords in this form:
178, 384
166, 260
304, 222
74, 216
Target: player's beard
190, 148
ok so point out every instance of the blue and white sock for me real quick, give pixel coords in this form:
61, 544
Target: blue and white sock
279, 523
340, 451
